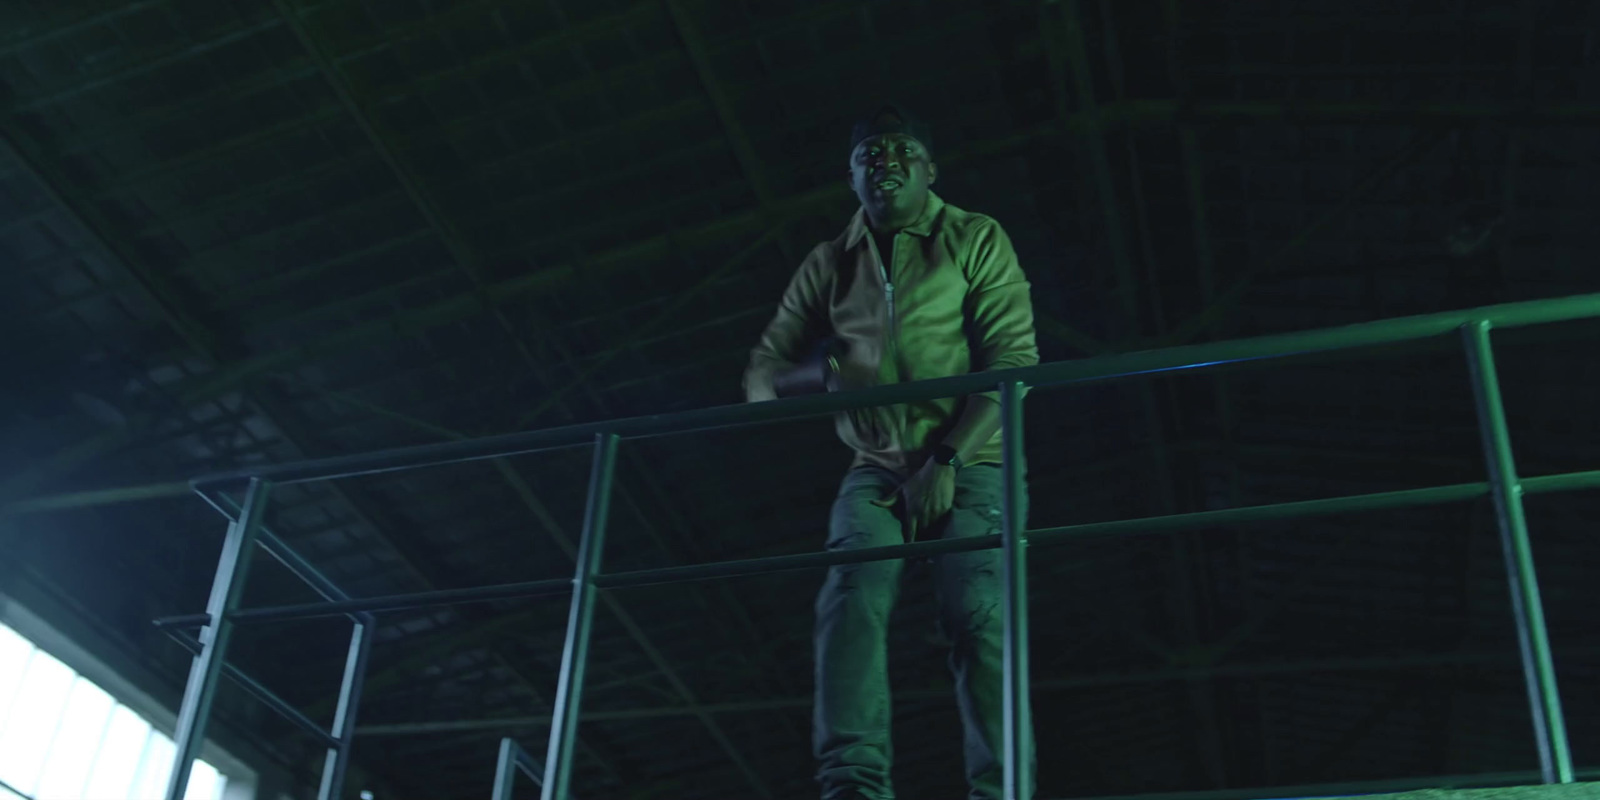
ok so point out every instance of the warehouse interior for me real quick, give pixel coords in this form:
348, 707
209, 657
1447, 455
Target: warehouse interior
236, 233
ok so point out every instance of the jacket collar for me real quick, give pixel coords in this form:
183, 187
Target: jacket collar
922, 227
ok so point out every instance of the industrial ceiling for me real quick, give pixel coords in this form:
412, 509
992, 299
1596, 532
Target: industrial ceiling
237, 233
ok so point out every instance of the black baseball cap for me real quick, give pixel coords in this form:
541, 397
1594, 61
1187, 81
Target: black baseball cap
891, 118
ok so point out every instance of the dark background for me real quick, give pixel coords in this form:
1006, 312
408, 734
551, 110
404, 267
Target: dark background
235, 233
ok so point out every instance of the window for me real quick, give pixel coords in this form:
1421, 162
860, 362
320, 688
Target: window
64, 738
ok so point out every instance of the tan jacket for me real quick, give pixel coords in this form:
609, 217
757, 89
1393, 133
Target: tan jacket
950, 300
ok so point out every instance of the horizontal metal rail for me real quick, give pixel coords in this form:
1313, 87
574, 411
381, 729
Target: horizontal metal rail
1349, 337
287, 556
1354, 789
260, 692
1043, 537
392, 602
1391, 663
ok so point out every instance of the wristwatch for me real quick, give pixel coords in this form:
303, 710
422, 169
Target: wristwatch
947, 456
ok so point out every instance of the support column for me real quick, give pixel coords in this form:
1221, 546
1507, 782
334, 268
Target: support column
232, 568
1013, 537
1538, 668
580, 622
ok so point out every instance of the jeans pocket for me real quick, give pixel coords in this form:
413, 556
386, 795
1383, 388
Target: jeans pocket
979, 499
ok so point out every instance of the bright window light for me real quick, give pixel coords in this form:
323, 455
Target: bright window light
205, 783
82, 727
155, 766
35, 716
118, 759
64, 738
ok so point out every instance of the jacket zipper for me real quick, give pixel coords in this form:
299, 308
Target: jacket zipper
888, 295
891, 345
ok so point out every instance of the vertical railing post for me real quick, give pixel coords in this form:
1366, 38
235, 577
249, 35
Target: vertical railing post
337, 761
580, 622
1538, 668
513, 759
1014, 542
505, 770
232, 568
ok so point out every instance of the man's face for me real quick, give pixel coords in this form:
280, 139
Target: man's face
891, 174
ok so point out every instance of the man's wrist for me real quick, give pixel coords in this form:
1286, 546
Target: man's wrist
946, 456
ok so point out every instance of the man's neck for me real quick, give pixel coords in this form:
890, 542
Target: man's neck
886, 227
889, 226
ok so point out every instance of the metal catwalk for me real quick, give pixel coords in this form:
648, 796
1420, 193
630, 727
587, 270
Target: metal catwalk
1471, 327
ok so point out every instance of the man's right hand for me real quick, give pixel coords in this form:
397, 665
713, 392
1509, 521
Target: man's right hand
823, 374
809, 377
852, 376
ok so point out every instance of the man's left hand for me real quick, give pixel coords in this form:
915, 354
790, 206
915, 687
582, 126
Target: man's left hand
928, 494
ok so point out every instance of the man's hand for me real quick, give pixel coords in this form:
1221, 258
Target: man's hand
928, 495
823, 373
849, 376
810, 377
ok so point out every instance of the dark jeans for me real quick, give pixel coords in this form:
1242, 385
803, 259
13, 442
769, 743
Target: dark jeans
851, 733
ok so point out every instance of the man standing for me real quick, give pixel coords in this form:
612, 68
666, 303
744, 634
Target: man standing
913, 289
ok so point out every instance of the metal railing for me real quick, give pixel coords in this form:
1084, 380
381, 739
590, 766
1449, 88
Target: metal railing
246, 531
513, 759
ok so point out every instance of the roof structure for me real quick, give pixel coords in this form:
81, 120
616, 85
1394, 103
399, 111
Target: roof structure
238, 233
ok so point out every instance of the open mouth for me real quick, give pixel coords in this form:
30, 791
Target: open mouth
888, 185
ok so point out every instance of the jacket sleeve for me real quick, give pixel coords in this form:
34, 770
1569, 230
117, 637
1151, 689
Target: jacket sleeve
999, 305
785, 342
